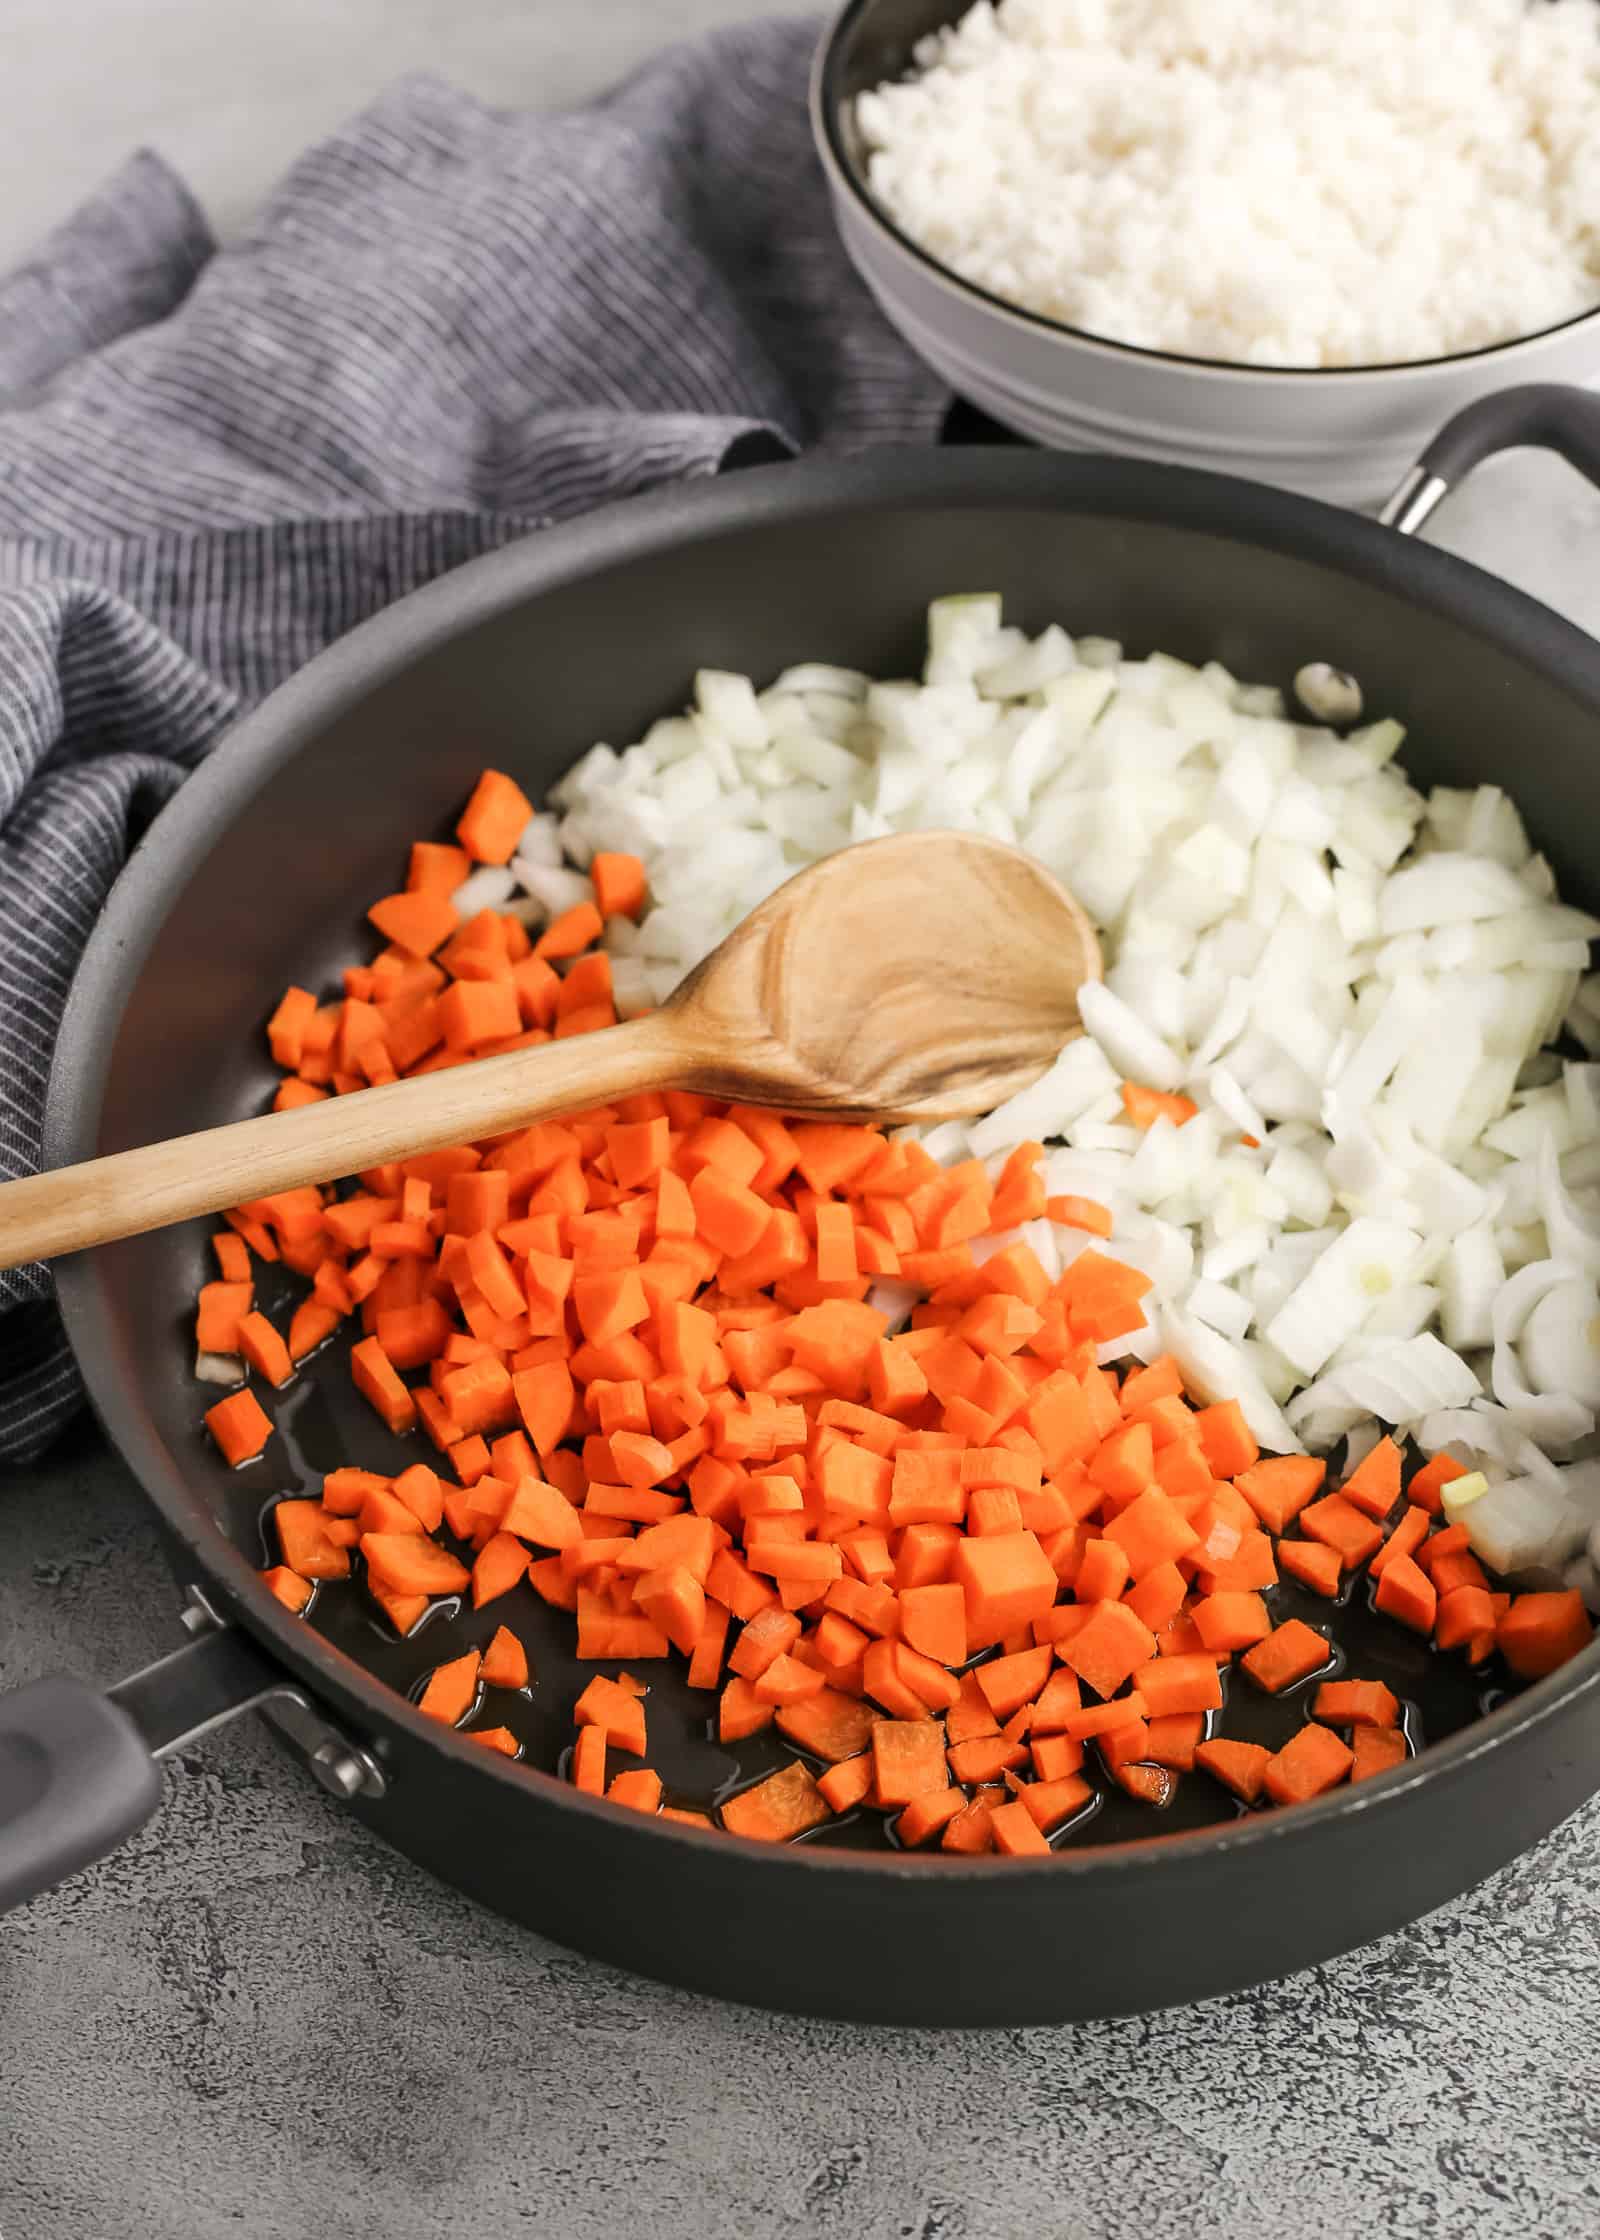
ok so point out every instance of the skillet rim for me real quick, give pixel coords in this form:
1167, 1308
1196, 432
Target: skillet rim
680, 514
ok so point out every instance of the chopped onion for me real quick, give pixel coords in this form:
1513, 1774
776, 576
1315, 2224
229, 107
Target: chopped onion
490, 887
1130, 1047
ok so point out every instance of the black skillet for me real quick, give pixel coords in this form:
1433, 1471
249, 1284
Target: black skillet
256, 874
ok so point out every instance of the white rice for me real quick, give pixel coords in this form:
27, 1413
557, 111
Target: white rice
1268, 182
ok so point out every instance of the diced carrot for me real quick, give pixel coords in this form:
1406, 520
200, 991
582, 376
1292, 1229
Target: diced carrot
1406, 1538
1230, 1620
222, 1309
1226, 1439
969, 1833
303, 1536
1173, 1685
933, 1619
501, 1565
376, 1380
1313, 1761
415, 922
1375, 1485
286, 1029
921, 1819
1374, 1750
638, 1788
1239, 1766
1356, 1703
776, 1810
1291, 1652
1152, 1530
544, 1398
1339, 1524
908, 1759
1144, 1107
1278, 1488
452, 1690
1079, 1213
1541, 1631
505, 1661
589, 1761
849, 1783
293, 1591
1014, 1832
1428, 1483
571, 933
494, 819
410, 1563
435, 868
1173, 1739
1466, 1619
1051, 1804
1109, 1648
1006, 1683
619, 884
1315, 1565
617, 1710
1007, 1581
1406, 1593
240, 1426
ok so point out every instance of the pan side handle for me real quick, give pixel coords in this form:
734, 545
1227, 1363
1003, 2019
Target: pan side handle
80, 1768
1550, 415
76, 1780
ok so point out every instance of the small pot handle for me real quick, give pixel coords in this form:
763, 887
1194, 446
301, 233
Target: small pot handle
1552, 415
76, 1779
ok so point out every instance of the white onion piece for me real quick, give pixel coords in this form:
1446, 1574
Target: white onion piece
1525, 1524
1133, 1051
540, 842
1446, 888
632, 987
1213, 1369
218, 1368
1219, 1307
1574, 1237
1552, 1418
554, 886
1558, 1346
1483, 1433
490, 887
896, 1300
1231, 1100
1346, 1282
1473, 1273
1398, 1380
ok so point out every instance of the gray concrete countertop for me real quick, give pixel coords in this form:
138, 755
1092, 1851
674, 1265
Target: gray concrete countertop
259, 2021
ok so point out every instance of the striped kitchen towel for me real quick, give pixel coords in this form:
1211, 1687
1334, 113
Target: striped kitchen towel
448, 327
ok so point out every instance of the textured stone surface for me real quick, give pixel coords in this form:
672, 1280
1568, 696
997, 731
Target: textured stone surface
259, 2021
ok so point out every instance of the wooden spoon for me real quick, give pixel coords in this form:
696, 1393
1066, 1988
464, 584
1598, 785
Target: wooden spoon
926, 976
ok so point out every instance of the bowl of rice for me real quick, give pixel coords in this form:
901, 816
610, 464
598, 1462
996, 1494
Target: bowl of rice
1249, 235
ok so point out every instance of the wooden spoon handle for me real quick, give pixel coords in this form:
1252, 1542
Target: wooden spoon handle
132, 1191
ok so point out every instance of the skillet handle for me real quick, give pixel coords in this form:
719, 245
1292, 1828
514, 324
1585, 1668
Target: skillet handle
1551, 415
76, 1780
79, 1770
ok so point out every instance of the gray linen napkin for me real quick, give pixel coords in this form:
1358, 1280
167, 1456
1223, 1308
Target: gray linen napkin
449, 326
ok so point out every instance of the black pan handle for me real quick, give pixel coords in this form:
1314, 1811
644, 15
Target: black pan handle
79, 1770
76, 1779
1551, 415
